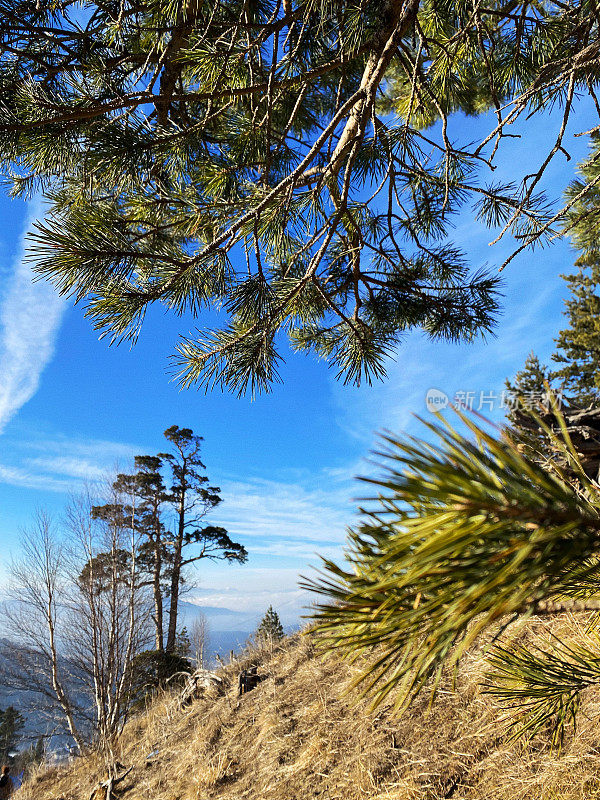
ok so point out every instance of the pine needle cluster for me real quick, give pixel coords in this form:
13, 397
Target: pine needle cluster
466, 536
277, 161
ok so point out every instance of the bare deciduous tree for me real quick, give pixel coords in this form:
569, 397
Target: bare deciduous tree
198, 634
109, 614
34, 616
79, 613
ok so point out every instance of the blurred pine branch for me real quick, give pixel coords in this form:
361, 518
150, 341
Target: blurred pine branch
465, 535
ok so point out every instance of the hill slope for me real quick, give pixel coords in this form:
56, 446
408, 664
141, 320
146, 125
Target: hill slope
299, 736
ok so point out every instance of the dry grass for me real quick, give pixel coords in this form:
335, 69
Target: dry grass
299, 736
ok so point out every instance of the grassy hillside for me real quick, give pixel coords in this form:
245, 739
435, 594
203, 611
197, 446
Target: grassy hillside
299, 736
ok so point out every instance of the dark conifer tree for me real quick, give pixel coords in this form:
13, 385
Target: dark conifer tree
578, 353
103, 568
164, 554
12, 723
528, 392
270, 627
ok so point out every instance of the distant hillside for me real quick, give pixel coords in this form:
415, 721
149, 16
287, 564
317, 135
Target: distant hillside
299, 736
41, 715
219, 619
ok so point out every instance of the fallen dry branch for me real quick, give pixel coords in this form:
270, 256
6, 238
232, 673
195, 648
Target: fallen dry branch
104, 789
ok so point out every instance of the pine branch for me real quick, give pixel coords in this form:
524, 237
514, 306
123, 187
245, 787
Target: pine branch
464, 534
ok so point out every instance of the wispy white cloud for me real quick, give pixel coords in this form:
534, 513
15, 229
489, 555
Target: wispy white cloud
28, 479
98, 450
79, 468
78, 459
62, 463
295, 512
288, 548
30, 315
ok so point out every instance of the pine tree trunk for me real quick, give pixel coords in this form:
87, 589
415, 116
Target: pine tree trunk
156, 588
176, 576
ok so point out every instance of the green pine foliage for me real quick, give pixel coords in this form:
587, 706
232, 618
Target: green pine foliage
578, 353
12, 723
541, 684
583, 194
577, 376
270, 628
240, 156
465, 536
529, 395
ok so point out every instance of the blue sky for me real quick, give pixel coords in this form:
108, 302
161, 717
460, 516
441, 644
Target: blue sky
72, 408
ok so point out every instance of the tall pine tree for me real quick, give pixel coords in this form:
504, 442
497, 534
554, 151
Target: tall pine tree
170, 523
192, 498
529, 384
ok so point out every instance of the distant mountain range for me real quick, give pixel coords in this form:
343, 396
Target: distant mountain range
227, 630
219, 619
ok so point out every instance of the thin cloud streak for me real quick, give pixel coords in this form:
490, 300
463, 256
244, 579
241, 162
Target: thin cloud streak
38, 464
15, 476
272, 510
30, 316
